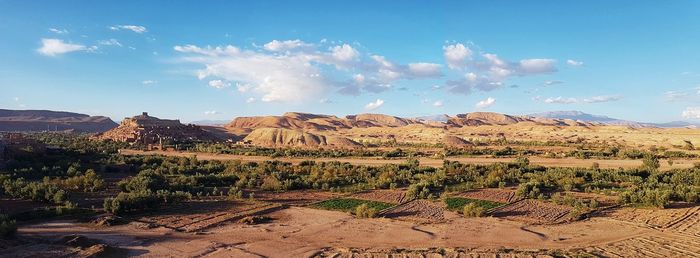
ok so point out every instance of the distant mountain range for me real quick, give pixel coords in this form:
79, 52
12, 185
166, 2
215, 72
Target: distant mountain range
581, 116
46, 120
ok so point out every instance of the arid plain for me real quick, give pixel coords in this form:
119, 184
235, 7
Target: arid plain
303, 185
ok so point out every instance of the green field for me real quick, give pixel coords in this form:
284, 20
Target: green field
457, 203
349, 204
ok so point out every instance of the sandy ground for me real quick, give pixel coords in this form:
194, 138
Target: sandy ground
549, 162
306, 232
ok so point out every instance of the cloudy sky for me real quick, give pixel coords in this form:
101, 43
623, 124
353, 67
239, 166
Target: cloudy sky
216, 60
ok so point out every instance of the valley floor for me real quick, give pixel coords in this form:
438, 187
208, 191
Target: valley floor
548, 162
300, 231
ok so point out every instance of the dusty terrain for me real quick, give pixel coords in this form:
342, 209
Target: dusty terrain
526, 228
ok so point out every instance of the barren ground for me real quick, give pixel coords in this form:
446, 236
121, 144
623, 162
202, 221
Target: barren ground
522, 229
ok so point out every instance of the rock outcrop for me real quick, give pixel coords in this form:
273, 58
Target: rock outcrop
45, 120
152, 130
277, 137
455, 142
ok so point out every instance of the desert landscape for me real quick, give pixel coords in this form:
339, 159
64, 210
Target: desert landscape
350, 129
292, 188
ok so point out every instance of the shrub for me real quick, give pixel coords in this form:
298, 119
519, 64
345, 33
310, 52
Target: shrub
8, 227
141, 201
364, 211
473, 210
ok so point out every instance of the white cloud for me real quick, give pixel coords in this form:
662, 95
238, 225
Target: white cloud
424, 69
561, 100
456, 55
325, 101
219, 84
537, 66
135, 28
374, 105
58, 31
359, 78
303, 74
438, 103
148, 82
109, 42
691, 113
550, 83
250, 100
472, 81
54, 47
488, 71
344, 53
211, 112
243, 88
574, 62
600, 99
488, 102
287, 78
285, 45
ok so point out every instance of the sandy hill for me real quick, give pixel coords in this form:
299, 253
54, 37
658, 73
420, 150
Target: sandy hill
152, 130
454, 141
43, 120
315, 122
276, 137
485, 118
379, 120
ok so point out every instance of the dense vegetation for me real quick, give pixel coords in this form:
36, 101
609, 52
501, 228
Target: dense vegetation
75, 164
492, 148
349, 204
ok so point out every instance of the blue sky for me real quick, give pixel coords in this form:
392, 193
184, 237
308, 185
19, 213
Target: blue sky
216, 60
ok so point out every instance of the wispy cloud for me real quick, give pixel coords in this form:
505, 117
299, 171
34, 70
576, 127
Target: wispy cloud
691, 94
109, 42
148, 82
135, 28
438, 103
550, 83
211, 112
58, 31
572, 62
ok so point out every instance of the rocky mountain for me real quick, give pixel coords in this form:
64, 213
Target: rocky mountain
320, 123
152, 130
315, 122
46, 120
